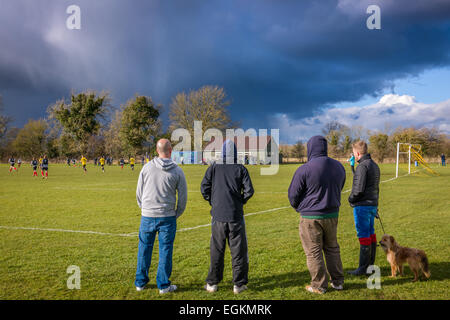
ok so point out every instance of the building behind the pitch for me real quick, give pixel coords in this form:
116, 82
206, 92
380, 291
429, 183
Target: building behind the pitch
250, 150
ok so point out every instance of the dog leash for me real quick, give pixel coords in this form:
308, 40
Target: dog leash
378, 217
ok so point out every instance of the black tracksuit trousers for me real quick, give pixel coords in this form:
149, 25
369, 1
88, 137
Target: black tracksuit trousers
234, 234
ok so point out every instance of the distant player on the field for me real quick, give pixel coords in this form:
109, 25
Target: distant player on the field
68, 162
132, 163
102, 163
121, 163
19, 162
44, 167
83, 161
34, 164
12, 163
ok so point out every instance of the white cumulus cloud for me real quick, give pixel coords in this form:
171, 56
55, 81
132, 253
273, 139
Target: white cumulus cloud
391, 110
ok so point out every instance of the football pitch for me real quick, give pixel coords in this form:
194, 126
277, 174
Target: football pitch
92, 220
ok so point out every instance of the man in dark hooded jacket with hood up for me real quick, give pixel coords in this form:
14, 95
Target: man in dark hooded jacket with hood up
315, 192
227, 187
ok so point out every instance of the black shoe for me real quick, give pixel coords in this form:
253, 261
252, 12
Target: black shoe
364, 261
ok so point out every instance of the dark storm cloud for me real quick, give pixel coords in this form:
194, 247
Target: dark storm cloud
290, 57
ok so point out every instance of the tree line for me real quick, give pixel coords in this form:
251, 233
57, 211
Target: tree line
87, 124
382, 144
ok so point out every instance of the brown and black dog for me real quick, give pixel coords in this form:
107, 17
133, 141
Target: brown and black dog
398, 255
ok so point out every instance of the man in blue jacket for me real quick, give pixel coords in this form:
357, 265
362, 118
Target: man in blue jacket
227, 187
315, 192
352, 162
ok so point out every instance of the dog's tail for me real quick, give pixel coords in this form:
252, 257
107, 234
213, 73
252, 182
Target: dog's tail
425, 267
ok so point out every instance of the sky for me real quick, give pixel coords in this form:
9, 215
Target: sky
291, 65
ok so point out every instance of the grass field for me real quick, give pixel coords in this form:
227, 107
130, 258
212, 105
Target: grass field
33, 262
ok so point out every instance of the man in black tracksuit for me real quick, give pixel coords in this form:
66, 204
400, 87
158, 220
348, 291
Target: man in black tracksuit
364, 200
227, 187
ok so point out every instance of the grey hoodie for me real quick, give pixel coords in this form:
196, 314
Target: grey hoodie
158, 184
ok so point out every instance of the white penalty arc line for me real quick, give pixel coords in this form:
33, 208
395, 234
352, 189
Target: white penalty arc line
135, 234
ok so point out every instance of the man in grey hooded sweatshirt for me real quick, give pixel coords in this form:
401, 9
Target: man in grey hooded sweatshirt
159, 182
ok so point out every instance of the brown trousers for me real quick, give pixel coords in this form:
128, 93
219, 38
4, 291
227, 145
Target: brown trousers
319, 235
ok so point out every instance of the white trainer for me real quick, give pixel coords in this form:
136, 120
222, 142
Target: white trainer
237, 289
211, 288
141, 288
170, 288
337, 287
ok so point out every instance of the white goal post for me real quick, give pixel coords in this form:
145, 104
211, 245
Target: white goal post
408, 152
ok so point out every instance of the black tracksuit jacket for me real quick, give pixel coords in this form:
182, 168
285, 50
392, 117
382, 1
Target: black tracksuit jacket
227, 187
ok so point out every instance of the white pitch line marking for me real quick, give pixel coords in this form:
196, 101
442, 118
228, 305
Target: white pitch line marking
134, 234
245, 215
71, 231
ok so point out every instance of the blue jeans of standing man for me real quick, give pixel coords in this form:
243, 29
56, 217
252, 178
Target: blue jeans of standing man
364, 222
166, 228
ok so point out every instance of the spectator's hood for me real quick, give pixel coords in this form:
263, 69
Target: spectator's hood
317, 146
164, 164
229, 152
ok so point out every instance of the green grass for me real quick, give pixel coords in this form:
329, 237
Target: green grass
33, 263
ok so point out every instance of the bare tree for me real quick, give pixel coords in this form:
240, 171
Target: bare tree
207, 104
4, 120
113, 143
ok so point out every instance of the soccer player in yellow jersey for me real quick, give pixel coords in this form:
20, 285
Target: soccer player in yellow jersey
102, 163
132, 163
83, 161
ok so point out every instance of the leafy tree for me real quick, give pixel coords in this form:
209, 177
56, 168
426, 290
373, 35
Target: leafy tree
139, 123
431, 140
347, 144
82, 117
298, 150
67, 146
32, 139
379, 145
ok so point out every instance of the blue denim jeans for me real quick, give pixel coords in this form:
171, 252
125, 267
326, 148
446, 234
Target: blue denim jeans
166, 228
364, 221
